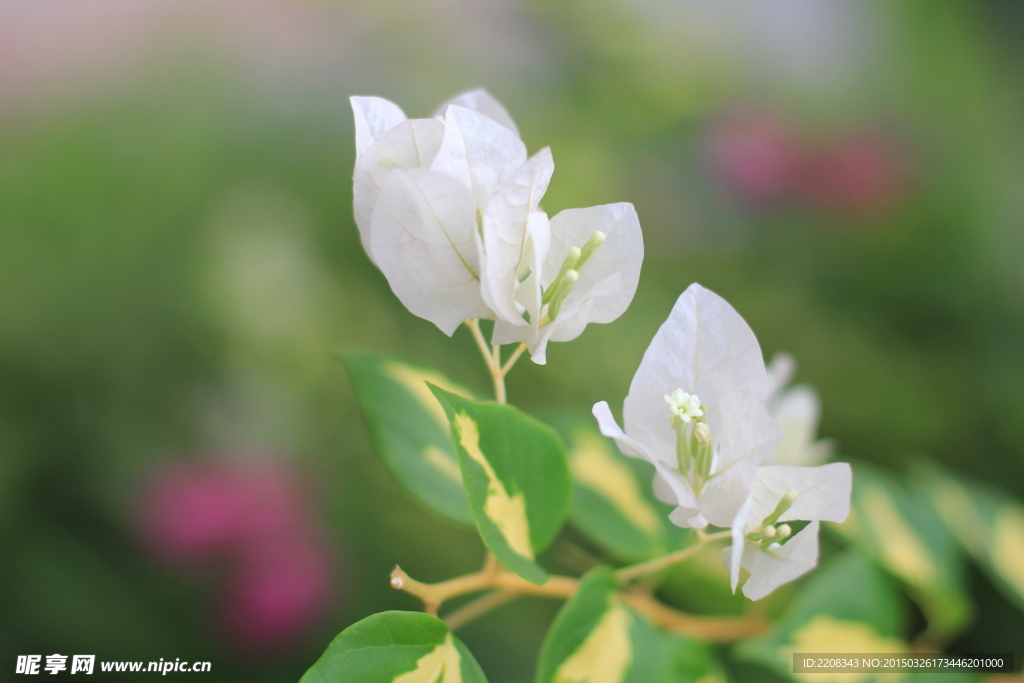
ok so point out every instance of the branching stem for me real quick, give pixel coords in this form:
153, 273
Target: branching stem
505, 586
492, 357
636, 571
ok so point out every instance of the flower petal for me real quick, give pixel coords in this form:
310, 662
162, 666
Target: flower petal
423, 237
676, 489
797, 410
410, 144
374, 116
680, 486
780, 371
781, 563
823, 492
746, 434
484, 103
621, 254
662, 491
609, 428
478, 152
687, 518
704, 348
733, 555
513, 231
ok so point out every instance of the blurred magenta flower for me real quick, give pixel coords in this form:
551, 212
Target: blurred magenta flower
254, 518
861, 175
277, 591
755, 155
762, 159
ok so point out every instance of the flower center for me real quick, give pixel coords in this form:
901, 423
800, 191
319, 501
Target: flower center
694, 447
685, 407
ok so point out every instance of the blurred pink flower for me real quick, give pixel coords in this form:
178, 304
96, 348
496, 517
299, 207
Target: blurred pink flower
276, 593
193, 511
254, 518
755, 155
860, 176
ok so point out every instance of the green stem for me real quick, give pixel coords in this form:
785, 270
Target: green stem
635, 571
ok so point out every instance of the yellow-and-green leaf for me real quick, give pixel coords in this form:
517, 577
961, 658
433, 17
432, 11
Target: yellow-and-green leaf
396, 647
596, 638
844, 606
988, 523
613, 500
410, 429
898, 527
517, 479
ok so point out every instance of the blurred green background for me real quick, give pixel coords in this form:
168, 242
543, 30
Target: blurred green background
178, 262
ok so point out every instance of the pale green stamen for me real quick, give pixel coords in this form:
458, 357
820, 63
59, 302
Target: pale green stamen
784, 504
568, 264
596, 240
562, 291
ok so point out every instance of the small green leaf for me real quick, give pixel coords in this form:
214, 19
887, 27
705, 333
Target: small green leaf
692, 661
410, 429
517, 479
396, 647
898, 527
988, 523
596, 638
848, 606
613, 500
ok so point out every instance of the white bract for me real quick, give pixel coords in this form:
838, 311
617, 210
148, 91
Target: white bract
448, 208
761, 541
706, 464
797, 409
584, 269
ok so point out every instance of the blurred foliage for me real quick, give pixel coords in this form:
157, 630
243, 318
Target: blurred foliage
178, 262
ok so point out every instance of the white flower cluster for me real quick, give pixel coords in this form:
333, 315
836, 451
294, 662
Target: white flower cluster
710, 443
448, 209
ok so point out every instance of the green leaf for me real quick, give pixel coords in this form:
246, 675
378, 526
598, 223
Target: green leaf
692, 661
849, 606
517, 479
410, 429
613, 502
596, 637
396, 647
988, 523
899, 528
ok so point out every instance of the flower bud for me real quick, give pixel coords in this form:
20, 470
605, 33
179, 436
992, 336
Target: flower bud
702, 433
596, 240
784, 530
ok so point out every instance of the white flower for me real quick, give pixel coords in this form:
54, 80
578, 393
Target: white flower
707, 350
419, 186
797, 410
448, 208
386, 140
759, 531
584, 268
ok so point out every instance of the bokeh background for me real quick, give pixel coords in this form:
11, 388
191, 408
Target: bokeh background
178, 262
